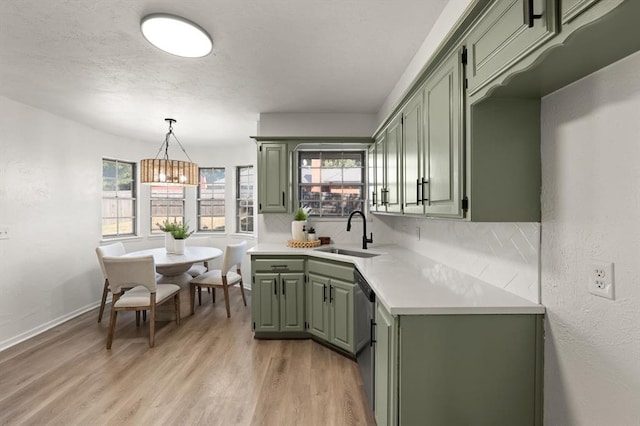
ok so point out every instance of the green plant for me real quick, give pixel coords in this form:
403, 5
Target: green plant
301, 214
181, 231
167, 226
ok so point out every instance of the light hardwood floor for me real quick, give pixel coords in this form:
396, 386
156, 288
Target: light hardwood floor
209, 370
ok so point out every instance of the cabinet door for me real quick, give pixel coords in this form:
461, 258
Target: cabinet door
292, 302
412, 154
383, 390
503, 37
381, 183
317, 306
273, 182
371, 178
572, 8
392, 166
341, 315
443, 139
265, 302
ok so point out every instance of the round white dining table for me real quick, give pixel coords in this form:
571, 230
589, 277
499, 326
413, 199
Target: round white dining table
173, 267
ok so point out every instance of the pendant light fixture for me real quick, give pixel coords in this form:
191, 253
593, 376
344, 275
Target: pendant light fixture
163, 171
176, 35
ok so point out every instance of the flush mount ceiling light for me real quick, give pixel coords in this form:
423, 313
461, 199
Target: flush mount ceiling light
163, 171
176, 35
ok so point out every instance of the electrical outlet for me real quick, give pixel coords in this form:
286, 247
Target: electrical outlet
601, 279
4, 232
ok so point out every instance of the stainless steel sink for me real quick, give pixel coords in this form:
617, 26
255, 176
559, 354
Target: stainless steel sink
346, 252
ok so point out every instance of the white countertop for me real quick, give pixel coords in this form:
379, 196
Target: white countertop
411, 284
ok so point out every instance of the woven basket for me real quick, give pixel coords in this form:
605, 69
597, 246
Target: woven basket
303, 244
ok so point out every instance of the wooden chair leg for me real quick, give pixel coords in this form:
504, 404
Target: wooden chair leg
144, 315
112, 327
244, 299
176, 300
192, 293
225, 288
103, 302
152, 321
137, 318
213, 295
199, 295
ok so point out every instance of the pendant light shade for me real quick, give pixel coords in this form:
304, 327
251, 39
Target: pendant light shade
164, 171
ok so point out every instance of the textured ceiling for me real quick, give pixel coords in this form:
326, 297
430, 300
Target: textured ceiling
87, 60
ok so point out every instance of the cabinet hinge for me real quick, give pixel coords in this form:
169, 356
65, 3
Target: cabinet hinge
464, 56
465, 204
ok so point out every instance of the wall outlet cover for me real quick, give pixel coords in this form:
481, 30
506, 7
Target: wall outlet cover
600, 279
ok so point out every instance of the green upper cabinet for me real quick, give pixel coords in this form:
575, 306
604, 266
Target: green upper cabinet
371, 177
388, 154
508, 31
273, 181
393, 170
442, 190
413, 154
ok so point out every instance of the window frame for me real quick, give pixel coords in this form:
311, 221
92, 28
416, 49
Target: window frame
239, 200
213, 199
360, 150
133, 200
153, 229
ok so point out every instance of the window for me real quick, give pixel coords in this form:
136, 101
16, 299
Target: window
167, 204
244, 199
331, 183
211, 193
118, 198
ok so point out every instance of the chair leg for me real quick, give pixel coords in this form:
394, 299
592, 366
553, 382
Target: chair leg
199, 295
112, 327
144, 315
152, 321
103, 302
137, 318
244, 299
225, 288
213, 295
176, 300
192, 293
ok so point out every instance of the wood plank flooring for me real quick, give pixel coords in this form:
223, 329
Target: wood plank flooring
209, 370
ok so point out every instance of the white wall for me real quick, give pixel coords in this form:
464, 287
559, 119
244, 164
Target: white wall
316, 124
50, 198
447, 20
591, 210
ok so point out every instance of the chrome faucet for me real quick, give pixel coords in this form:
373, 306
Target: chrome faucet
365, 240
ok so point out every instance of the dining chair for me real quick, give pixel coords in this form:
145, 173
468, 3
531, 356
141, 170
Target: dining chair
222, 278
139, 274
111, 250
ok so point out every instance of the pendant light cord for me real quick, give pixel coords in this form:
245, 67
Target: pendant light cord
165, 144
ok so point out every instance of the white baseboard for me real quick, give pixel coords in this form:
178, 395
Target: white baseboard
6, 344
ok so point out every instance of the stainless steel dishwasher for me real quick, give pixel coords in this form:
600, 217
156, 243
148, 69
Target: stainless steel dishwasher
365, 305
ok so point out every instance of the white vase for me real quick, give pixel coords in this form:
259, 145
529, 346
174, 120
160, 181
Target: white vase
296, 230
178, 246
169, 242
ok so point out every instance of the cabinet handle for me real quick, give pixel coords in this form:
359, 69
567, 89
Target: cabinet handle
373, 198
275, 287
372, 337
385, 198
532, 15
324, 292
282, 198
330, 294
282, 285
423, 184
418, 185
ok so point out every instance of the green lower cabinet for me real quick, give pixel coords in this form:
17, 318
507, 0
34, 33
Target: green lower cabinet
278, 302
459, 369
384, 385
330, 311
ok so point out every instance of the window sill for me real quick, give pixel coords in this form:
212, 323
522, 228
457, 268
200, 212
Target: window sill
116, 239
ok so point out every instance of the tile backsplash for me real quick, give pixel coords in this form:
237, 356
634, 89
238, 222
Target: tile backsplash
502, 254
